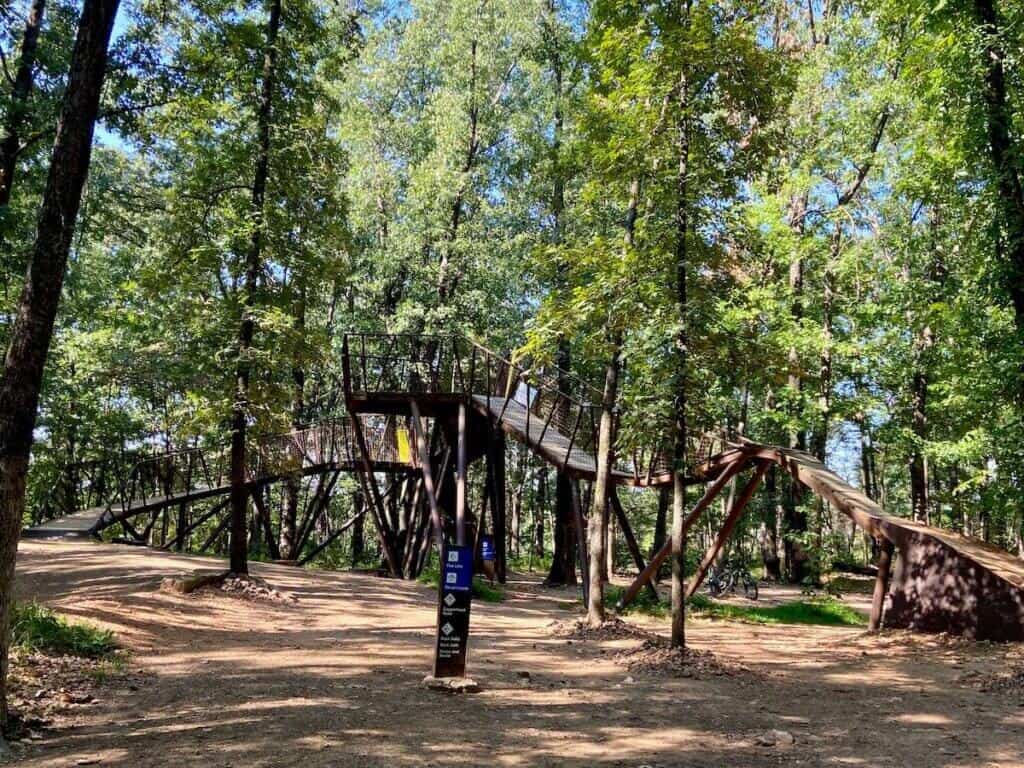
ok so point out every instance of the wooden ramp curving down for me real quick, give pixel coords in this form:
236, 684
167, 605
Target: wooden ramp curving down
942, 581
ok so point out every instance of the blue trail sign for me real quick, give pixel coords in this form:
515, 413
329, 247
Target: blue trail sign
455, 594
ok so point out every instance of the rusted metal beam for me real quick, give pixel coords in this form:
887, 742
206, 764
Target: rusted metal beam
428, 475
581, 539
370, 481
631, 543
727, 528
881, 585
652, 567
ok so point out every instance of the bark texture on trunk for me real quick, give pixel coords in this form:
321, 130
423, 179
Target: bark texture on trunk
32, 328
240, 412
1005, 158
10, 146
598, 525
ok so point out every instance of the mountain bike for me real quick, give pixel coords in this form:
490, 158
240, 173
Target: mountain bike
729, 580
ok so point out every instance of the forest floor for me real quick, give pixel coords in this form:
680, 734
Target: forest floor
333, 678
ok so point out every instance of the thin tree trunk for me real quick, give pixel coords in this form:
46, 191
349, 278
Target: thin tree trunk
293, 483
358, 541
598, 524
17, 107
660, 525
678, 638
33, 323
539, 510
240, 414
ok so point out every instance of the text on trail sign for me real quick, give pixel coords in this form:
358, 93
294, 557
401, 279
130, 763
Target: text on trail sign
454, 596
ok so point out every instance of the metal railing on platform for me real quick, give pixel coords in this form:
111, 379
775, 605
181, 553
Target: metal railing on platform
554, 411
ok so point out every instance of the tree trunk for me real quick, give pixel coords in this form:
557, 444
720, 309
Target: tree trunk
293, 483
794, 520
1005, 160
660, 525
10, 146
539, 510
598, 525
679, 436
358, 540
240, 413
563, 565
563, 568
33, 323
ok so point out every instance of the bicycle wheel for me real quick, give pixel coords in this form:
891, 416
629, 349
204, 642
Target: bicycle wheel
750, 588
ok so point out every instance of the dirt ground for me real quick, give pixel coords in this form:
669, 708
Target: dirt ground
335, 680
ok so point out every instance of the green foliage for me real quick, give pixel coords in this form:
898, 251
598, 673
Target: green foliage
37, 628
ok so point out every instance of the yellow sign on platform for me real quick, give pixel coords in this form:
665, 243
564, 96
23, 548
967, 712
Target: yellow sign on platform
404, 451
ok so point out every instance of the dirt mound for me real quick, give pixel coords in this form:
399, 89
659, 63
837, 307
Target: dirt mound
249, 588
1011, 682
612, 629
656, 655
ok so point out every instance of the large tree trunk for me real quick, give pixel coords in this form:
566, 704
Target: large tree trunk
563, 563
563, 567
10, 146
37, 308
1005, 158
240, 412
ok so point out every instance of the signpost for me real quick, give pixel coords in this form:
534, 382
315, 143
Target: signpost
455, 594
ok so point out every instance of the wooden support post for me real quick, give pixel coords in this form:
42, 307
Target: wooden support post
881, 585
264, 515
581, 539
370, 480
428, 475
497, 460
631, 543
652, 567
460, 480
727, 528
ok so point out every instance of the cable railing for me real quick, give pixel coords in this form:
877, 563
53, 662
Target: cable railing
151, 479
555, 412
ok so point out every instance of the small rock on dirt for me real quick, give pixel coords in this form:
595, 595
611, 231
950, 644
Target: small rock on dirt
776, 738
451, 684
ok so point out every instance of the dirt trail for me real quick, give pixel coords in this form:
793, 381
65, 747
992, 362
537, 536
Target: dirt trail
334, 680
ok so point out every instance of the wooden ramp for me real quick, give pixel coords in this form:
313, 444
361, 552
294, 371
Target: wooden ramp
543, 438
943, 581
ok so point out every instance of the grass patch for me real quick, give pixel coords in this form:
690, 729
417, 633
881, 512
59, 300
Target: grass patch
37, 628
823, 610
820, 610
482, 590
643, 603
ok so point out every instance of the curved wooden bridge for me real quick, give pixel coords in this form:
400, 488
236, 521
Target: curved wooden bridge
471, 398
